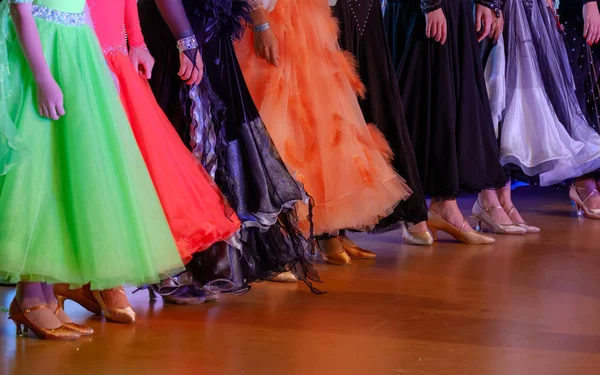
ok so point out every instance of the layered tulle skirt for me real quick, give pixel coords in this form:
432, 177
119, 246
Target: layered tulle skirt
543, 130
196, 211
310, 108
80, 207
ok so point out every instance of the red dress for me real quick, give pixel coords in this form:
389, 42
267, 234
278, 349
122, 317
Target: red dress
195, 209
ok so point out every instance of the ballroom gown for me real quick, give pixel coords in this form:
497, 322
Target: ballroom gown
196, 212
222, 126
445, 98
543, 130
310, 108
363, 34
77, 204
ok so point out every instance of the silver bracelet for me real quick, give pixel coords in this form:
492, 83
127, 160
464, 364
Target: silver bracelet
262, 27
186, 44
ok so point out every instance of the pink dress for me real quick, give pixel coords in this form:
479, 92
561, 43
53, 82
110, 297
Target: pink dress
194, 207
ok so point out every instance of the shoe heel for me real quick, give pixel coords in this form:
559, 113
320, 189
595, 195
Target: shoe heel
434, 234
151, 294
61, 301
479, 228
19, 330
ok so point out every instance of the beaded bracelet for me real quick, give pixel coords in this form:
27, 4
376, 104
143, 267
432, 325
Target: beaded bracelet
186, 44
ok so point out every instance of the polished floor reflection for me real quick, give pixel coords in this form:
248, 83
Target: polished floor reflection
526, 305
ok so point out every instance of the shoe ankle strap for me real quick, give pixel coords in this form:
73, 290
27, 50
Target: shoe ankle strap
591, 193
34, 308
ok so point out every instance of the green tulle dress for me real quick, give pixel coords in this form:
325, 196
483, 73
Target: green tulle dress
77, 204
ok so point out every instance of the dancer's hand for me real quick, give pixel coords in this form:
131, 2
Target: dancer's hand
498, 27
50, 99
484, 20
142, 61
591, 27
437, 27
190, 72
266, 46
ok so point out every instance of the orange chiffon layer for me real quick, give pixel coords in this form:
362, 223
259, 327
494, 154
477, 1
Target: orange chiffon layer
310, 108
196, 211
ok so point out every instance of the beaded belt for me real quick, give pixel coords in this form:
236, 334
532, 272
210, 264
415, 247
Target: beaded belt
57, 16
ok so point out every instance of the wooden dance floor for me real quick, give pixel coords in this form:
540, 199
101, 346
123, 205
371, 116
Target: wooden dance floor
526, 305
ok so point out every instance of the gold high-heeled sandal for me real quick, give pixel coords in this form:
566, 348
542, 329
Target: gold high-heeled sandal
417, 239
19, 317
355, 251
62, 292
471, 237
582, 208
117, 315
522, 224
334, 254
482, 215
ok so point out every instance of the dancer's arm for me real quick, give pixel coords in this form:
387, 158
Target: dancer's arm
49, 95
140, 57
265, 41
591, 19
191, 65
436, 27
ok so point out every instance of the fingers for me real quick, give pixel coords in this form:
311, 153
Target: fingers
185, 72
193, 79
486, 30
136, 63
428, 29
596, 34
60, 110
275, 55
272, 56
478, 20
52, 113
591, 34
444, 33
149, 67
586, 29
146, 69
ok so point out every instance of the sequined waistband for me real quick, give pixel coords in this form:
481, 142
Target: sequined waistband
57, 16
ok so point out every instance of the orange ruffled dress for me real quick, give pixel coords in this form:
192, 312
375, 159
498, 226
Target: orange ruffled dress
196, 211
311, 110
